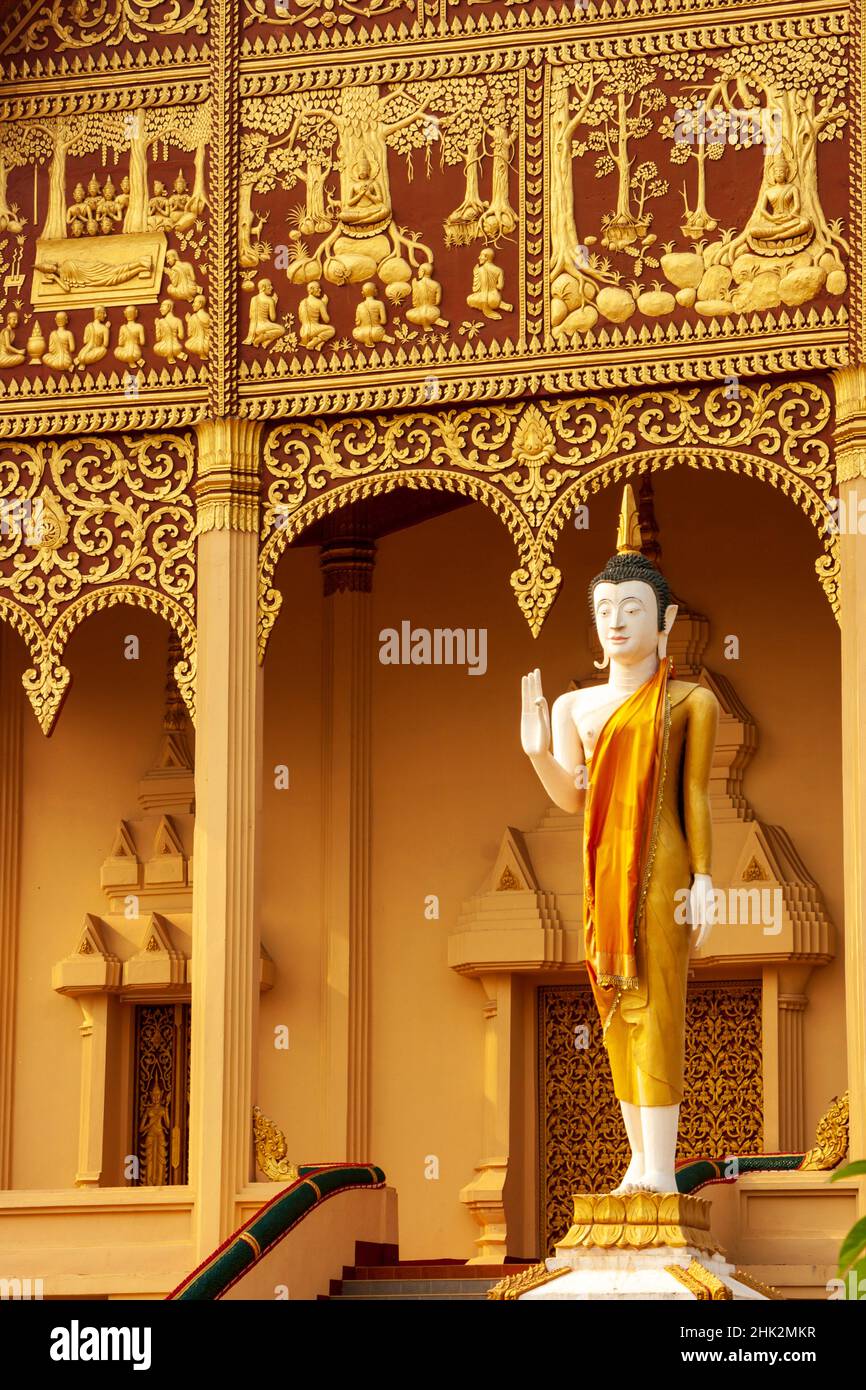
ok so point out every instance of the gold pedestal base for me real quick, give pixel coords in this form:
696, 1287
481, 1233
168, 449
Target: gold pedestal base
655, 1245
639, 1221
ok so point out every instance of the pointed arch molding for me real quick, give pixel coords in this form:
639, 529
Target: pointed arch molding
88, 523
534, 463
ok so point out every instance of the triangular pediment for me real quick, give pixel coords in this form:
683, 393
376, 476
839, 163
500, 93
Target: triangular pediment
90, 942
757, 864
122, 846
512, 871
166, 840
156, 939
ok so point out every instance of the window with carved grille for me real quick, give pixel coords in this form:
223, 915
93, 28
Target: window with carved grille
161, 1093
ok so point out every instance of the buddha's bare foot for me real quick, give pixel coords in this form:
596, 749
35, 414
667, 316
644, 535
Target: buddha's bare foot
632, 1180
657, 1181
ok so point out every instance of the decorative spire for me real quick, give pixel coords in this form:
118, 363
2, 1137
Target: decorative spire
628, 537
649, 527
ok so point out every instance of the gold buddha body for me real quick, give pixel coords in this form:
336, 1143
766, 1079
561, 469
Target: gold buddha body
634, 755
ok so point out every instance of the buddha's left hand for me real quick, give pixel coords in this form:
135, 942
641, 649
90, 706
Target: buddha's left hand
702, 910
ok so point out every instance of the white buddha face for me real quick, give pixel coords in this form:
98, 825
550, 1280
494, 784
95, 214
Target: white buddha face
627, 620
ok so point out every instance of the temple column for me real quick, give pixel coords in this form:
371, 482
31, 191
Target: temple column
485, 1194
347, 561
850, 441
91, 1115
225, 929
10, 849
770, 1058
792, 1104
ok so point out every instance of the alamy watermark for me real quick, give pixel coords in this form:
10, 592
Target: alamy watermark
438, 646
732, 907
715, 125
77, 1343
846, 516
22, 516
21, 1289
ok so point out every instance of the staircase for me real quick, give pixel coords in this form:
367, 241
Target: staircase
446, 1280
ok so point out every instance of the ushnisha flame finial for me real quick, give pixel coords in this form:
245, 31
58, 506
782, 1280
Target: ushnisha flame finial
628, 536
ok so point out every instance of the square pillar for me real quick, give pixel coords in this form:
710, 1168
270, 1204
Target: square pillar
225, 931
850, 440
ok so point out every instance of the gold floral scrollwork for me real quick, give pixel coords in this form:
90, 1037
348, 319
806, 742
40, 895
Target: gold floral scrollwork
700, 1282
271, 1149
532, 464
88, 523
513, 1286
311, 14
312, 470
831, 1137
85, 24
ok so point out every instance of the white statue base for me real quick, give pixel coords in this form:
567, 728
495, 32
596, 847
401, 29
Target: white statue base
649, 1245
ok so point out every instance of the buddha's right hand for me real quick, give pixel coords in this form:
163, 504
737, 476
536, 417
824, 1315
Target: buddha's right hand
535, 717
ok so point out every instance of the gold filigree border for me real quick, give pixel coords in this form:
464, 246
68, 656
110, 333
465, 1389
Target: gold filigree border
88, 523
532, 464
47, 680
569, 24
23, 100
609, 367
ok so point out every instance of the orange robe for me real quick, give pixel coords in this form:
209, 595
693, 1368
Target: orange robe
647, 831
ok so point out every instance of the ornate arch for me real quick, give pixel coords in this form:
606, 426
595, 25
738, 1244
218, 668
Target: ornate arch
533, 463
279, 529
86, 524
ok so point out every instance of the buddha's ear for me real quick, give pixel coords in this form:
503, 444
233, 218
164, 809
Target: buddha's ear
670, 615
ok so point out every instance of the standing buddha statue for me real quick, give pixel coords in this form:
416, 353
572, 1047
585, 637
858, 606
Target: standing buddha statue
635, 755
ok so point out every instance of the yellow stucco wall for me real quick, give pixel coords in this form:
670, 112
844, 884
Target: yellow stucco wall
77, 786
448, 776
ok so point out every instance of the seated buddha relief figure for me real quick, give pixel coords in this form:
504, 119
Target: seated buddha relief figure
777, 227
364, 209
635, 754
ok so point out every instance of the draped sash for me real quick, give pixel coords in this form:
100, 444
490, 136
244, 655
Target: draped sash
626, 774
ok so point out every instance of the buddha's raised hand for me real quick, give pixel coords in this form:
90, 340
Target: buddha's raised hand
535, 717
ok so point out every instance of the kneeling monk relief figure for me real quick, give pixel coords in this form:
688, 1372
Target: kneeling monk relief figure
635, 755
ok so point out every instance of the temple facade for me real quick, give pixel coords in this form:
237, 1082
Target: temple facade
328, 337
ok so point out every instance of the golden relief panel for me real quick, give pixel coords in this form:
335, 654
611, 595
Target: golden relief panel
357, 281
658, 206
88, 523
104, 255
609, 205
534, 463
582, 1142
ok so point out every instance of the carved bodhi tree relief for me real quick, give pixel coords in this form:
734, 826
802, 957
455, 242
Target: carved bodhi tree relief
779, 99
337, 147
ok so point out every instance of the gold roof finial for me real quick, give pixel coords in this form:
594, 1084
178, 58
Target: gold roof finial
628, 536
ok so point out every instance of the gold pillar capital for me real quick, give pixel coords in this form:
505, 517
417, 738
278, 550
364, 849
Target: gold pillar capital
849, 384
227, 476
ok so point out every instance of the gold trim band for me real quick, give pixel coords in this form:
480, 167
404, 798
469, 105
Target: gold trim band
252, 1243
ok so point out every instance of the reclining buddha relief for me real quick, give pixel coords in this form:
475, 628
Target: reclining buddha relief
103, 245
